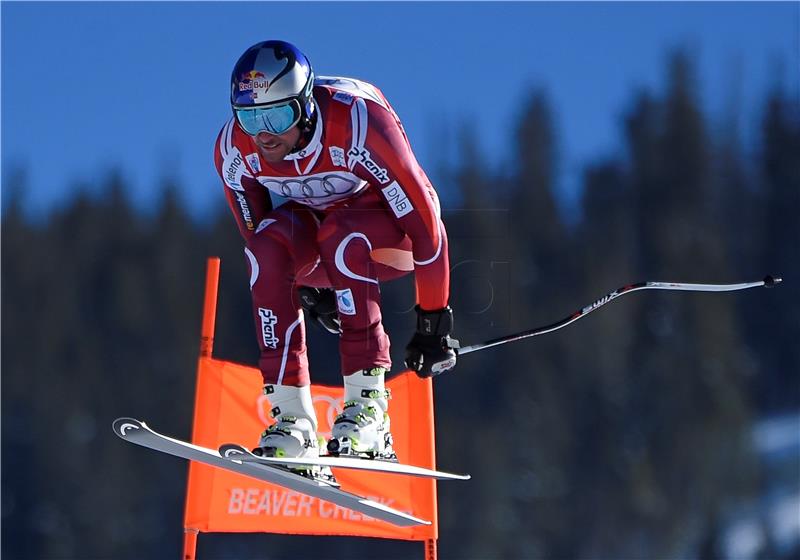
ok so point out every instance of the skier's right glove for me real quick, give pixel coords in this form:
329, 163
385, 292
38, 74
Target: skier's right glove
431, 350
320, 304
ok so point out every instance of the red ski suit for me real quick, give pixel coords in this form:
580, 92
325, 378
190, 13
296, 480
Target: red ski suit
360, 210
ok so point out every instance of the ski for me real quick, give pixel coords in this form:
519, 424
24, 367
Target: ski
136, 431
241, 454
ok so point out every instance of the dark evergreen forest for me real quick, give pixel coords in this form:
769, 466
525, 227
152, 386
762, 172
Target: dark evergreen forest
626, 435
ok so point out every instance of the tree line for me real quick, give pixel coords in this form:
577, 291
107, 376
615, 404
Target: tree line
624, 435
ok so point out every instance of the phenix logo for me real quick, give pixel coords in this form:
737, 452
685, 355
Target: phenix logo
268, 321
253, 80
365, 159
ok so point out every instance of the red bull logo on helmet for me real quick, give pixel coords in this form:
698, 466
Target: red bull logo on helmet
253, 80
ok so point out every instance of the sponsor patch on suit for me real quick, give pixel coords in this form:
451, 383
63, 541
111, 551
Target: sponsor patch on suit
345, 303
397, 199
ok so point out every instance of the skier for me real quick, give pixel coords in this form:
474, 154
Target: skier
359, 210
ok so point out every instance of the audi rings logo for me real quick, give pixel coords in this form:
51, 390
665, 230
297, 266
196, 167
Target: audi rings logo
327, 409
313, 188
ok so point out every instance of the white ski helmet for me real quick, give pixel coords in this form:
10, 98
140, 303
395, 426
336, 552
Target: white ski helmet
271, 88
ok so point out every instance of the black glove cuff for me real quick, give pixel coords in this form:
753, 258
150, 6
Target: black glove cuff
321, 301
439, 322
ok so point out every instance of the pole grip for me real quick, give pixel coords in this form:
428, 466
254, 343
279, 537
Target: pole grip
209, 307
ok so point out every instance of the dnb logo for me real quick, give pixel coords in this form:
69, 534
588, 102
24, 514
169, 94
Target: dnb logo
327, 409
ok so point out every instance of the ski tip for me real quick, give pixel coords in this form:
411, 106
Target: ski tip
232, 451
453, 476
771, 281
122, 426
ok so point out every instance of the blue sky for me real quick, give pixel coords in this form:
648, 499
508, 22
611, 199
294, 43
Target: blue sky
87, 87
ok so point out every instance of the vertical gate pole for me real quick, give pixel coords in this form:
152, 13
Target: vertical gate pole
189, 543
206, 350
209, 307
430, 549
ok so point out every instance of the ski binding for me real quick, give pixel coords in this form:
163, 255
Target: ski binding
243, 455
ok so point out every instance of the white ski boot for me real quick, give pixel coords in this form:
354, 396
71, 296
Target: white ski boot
294, 433
362, 429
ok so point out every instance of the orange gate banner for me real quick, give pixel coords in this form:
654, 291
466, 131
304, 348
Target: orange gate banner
230, 408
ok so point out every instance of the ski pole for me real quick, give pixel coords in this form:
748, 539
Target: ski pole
767, 282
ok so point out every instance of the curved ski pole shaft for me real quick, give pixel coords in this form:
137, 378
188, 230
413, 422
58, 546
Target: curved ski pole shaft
767, 282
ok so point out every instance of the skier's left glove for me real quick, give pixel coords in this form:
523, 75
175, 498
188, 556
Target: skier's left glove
431, 350
320, 304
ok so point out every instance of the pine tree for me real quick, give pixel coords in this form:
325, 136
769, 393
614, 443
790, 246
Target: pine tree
780, 170
687, 374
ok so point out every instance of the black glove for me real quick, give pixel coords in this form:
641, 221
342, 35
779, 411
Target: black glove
431, 350
320, 305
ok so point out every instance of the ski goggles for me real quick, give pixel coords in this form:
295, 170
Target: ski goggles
275, 119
